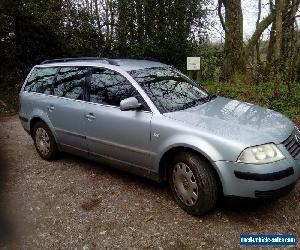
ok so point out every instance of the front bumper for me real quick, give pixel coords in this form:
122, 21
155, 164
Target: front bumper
258, 181
25, 123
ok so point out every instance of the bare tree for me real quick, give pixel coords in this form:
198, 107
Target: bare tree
236, 53
258, 41
278, 46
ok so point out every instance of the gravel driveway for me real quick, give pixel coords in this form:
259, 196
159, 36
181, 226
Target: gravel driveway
75, 203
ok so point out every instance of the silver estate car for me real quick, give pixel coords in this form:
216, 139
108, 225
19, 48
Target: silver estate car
147, 118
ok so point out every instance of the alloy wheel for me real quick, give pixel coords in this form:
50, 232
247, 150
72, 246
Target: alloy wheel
42, 141
185, 184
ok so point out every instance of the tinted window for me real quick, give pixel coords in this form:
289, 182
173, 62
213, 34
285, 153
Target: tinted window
168, 89
41, 80
109, 87
70, 83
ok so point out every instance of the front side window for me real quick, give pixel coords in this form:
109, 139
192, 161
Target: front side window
168, 89
40, 80
109, 87
70, 82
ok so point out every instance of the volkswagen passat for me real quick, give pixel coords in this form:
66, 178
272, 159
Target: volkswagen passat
147, 118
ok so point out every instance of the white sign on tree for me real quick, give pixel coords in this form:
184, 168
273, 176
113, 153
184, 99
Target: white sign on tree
193, 63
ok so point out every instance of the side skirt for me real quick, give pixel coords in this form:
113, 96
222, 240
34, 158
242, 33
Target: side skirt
124, 166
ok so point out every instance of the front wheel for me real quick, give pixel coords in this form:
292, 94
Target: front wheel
193, 183
44, 141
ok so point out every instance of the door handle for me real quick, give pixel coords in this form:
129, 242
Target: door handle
50, 108
90, 116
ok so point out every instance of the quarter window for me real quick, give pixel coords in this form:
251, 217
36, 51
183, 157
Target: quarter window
109, 87
70, 83
41, 80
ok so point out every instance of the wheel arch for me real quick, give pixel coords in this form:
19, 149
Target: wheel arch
36, 119
166, 157
33, 121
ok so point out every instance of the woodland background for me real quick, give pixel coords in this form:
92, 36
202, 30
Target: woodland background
259, 70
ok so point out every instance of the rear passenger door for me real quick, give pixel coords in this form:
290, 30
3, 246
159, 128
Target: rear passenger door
111, 133
66, 109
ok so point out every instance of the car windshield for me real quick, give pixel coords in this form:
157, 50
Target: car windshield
170, 90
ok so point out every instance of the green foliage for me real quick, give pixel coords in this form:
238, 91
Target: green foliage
34, 30
166, 30
261, 94
211, 61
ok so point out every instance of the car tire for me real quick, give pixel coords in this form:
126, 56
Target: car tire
193, 183
44, 141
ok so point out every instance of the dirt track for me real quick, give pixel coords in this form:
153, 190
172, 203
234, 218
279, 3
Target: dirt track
75, 203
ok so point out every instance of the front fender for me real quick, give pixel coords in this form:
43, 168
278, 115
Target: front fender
191, 142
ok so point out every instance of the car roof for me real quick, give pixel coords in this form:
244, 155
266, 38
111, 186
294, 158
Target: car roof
125, 64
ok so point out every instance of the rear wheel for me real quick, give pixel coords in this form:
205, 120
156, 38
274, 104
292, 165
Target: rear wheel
193, 183
44, 141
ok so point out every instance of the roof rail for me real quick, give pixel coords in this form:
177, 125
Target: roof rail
140, 58
110, 61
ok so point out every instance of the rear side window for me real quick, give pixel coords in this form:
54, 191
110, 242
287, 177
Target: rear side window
70, 82
41, 80
109, 87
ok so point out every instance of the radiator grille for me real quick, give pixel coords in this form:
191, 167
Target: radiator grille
292, 144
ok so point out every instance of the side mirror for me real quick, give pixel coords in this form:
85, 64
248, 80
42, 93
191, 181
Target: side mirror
130, 103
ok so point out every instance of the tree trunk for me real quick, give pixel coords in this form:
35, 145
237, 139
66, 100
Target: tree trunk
235, 61
258, 31
236, 54
270, 51
111, 22
98, 17
289, 41
277, 47
140, 20
258, 42
106, 22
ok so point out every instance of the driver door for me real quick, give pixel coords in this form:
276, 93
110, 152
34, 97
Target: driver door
123, 136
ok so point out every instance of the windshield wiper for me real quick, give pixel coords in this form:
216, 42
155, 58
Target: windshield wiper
207, 98
198, 101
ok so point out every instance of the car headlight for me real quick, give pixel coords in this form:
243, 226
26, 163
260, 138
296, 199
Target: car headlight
261, 154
